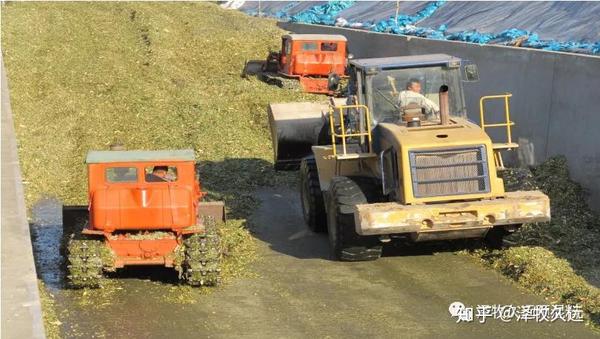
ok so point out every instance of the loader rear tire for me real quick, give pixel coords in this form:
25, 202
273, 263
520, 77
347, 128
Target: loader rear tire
313, 206
344, 193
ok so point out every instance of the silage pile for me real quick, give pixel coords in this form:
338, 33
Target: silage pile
559, 259
150, 76
574, 231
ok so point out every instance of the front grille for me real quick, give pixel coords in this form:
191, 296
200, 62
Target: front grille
453, 171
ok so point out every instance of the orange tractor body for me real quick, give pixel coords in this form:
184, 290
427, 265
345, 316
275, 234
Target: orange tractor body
140, 218
312, 59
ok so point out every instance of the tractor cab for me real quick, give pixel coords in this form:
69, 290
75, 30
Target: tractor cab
312, 54
144, 208
135, 189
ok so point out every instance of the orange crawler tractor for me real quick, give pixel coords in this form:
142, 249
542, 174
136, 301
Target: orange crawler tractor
317, 61
144, 208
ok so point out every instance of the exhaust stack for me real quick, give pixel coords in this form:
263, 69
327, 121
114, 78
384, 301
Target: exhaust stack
117, 146
444, 106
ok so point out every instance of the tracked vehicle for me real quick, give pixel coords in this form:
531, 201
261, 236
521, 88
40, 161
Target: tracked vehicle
312, 61
400, 160
145, 208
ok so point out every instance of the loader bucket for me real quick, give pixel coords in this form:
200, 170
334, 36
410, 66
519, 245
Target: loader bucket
215, 209
252, 67
295, 128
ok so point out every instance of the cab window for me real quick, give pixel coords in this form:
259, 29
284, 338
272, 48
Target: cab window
309, 46
160, 173
121, 174
329, 46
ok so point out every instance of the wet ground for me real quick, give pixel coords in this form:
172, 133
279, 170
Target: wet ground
297, 291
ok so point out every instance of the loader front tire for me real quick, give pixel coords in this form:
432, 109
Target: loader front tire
313, 206
494, 239
344, 193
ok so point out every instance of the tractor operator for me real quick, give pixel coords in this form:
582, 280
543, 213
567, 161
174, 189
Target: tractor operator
159, 174
412, 95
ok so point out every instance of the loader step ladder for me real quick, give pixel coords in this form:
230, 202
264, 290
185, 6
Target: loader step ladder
363, 127
501, 146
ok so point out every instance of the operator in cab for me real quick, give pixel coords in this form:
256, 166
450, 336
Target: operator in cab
159, 174
412, 96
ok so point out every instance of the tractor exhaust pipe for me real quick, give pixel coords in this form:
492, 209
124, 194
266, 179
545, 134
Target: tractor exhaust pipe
117, 146
444, 106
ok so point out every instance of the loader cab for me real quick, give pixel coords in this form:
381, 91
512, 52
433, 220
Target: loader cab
313, 54
142, 189
396, 86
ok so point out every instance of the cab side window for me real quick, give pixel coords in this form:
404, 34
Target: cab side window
287, 47
121, 174
160, 173
329, 46
309, 46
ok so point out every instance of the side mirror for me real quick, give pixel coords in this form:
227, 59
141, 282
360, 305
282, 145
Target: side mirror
350, 56
471, 73
333, 82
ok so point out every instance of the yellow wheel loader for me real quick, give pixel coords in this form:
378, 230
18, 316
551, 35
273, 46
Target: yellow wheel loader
398, 158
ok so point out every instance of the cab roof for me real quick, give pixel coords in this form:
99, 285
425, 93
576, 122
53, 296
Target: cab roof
96, 157
406, 61
318, 37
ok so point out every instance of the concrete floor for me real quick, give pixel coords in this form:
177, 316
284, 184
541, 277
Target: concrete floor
297, 292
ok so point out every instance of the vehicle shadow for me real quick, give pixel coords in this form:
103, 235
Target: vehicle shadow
271, 202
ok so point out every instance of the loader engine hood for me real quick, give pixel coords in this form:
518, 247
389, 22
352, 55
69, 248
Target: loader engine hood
441, 162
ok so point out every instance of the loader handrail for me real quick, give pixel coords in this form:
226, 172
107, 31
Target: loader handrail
508, 123
366, 119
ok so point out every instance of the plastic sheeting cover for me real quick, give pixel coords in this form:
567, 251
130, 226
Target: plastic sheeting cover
555, 26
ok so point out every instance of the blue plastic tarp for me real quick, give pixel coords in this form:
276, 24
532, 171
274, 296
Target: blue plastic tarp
554, 26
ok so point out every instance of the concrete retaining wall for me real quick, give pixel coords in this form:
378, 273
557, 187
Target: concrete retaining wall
21, 310
555, 103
